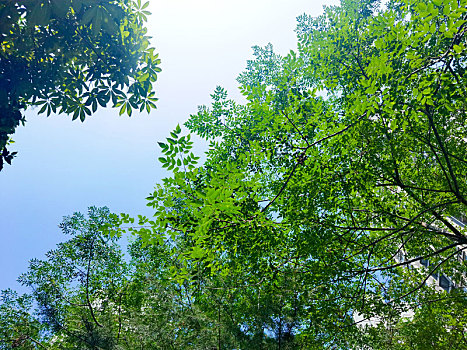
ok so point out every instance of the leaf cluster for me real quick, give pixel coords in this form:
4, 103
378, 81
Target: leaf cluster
73, 56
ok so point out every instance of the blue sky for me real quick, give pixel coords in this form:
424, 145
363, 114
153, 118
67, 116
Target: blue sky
64, 166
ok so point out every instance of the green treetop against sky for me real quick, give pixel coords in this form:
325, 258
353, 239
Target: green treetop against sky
341, 167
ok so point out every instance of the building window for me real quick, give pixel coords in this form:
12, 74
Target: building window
444, 283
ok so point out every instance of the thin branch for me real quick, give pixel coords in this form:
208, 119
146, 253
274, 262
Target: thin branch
419, 286
408, 262
373, 243
429, 275
284, 185
298, 130
37, 342
446, 157
338, 132
87, 287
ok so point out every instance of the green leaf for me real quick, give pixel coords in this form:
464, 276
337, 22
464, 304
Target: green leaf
60, 8
122, 109
40, 14
42, 110
197, 253
89, 15
96, 22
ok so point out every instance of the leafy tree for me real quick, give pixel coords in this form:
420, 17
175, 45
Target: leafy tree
345, 167
78, 287
70, 57
18, 327
439, 325
86, 294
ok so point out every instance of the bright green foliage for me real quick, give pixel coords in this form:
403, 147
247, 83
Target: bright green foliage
79, 287
18, 328
346, 165
72, 56
85, 301
438, 325
86, 295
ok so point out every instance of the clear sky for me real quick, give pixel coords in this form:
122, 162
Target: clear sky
66, 166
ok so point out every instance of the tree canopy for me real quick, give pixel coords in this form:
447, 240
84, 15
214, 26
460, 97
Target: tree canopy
337, 191
71, 57
86, 293
344, 169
